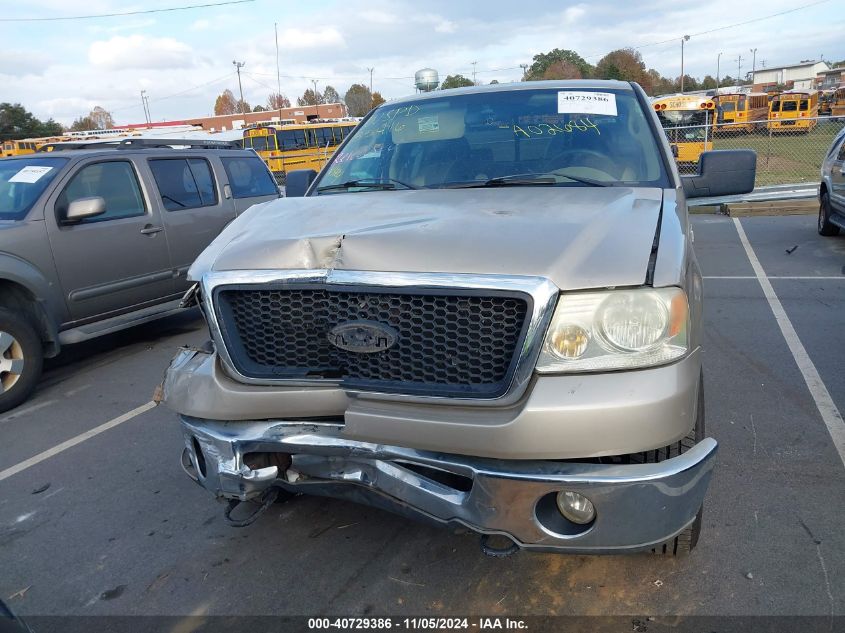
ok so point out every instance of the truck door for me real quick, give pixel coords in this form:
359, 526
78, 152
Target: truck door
192, 206
116, 261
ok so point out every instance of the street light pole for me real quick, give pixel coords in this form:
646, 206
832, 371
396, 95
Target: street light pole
371, 79
316, 97
738, 70
684, 39
524, 71
238, 66
753, 64
718, 59
278, 76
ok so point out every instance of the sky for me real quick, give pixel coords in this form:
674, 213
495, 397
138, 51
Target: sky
183, 59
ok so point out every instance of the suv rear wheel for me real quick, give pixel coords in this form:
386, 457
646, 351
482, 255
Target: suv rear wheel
21, 358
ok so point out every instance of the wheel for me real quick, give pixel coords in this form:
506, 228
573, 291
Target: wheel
686, 541
826, 228
21, 358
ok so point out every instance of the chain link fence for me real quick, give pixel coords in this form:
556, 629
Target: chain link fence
789, 151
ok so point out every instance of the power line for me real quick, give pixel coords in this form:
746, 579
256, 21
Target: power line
175, 94
115, 15
722, 28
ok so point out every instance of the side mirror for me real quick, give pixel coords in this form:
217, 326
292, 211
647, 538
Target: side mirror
83, 208
298, 181
723, 172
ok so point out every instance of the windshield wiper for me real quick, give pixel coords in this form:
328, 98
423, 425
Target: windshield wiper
386, 184
585, 181
514, 180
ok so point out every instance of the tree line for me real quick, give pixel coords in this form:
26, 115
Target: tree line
624, 64
358, 99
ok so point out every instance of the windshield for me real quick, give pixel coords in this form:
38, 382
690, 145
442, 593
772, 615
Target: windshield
685, 125
22, 181
260, 143
543, 136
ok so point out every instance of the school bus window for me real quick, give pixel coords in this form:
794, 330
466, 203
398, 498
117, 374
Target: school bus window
805, 104
291, 139
788, 106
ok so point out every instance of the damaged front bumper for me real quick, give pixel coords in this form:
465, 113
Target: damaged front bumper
637, 506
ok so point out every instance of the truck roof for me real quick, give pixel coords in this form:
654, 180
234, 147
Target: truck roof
569, 84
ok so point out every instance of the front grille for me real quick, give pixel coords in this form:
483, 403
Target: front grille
446, 344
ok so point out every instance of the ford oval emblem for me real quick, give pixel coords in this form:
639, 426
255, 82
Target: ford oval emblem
364, 337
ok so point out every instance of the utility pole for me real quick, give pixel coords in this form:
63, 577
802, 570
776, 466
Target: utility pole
371, 79
278, 76
753, 63
738, 70
474, 82
145, 104
718, 59
524, 71
238, 66
684, 39
316, 97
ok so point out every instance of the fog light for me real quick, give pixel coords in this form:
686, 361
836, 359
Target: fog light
570, 342
575, 507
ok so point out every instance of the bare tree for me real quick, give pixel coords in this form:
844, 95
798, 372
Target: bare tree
277, 101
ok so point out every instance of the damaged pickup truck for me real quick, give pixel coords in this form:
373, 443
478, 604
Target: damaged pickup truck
485, 312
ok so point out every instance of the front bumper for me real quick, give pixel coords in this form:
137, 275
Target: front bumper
637, 506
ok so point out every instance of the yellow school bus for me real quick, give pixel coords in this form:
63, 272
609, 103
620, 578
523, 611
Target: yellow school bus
794, 111
687, 121
19, 148
837, 103
739, 112
300, 146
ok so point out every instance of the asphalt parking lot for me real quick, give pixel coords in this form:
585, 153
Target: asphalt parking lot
121, 530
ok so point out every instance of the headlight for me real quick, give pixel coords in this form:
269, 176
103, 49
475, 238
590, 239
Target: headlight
616, 329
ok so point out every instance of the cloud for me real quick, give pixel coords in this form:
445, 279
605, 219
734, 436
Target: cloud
140, 51
311, 38
19, 64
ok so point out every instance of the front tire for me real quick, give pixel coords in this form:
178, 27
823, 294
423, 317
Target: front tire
21, 359
686, 541
825, 226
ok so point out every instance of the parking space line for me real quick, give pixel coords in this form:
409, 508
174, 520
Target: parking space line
824, 403
778, 277
50, 452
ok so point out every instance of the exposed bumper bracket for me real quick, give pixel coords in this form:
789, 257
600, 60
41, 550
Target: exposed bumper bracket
637, 505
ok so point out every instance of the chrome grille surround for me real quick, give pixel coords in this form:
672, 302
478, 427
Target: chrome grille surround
543, 294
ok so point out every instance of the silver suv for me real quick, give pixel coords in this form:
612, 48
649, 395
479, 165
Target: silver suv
96, 240
832, 189
484, 311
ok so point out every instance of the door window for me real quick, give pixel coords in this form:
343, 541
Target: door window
184, 183
114, 181
248, 177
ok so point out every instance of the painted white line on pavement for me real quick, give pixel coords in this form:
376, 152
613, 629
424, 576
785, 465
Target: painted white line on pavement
50, 452
827, 409
776, 277
19, 412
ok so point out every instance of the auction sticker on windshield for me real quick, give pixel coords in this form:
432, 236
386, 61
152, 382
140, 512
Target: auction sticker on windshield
572, 102
30, 173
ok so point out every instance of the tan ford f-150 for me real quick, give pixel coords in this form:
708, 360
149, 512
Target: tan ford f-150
484, 312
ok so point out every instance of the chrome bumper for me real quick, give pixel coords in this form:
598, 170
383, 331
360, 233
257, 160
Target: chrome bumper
637, 506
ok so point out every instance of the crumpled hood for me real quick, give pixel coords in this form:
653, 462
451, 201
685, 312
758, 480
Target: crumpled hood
578, 237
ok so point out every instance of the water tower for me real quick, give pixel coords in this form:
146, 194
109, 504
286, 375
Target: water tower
426, 80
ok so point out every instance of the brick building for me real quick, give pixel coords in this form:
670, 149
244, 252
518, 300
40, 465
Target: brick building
225, 122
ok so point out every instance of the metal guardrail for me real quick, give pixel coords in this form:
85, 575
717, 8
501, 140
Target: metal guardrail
798, 191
